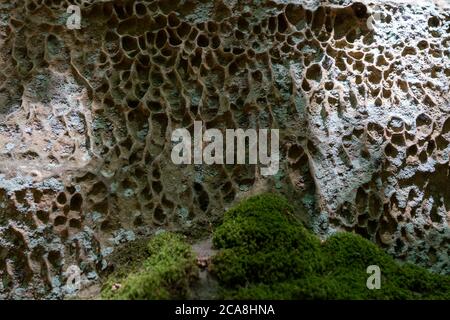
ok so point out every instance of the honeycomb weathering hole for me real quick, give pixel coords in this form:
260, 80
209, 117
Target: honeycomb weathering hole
86, 118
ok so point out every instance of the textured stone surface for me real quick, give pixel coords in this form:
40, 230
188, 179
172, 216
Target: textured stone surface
86, 117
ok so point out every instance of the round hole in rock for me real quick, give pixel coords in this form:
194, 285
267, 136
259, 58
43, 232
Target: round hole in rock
202, 40
76, 202
60, 220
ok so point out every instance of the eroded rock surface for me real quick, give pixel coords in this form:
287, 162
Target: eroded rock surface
360, 93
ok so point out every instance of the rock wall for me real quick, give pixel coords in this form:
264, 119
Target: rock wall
359, 92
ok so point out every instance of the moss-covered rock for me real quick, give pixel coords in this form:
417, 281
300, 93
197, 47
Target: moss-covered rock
261, 241
166, 273
265, 253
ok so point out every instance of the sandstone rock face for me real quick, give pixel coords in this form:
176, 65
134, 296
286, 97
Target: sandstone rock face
359, 92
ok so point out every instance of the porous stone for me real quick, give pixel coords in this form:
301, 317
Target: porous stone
86, 118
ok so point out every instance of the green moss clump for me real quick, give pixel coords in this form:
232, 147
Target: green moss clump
127, 258
261, 241
165, 274
265, 253
346, 252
